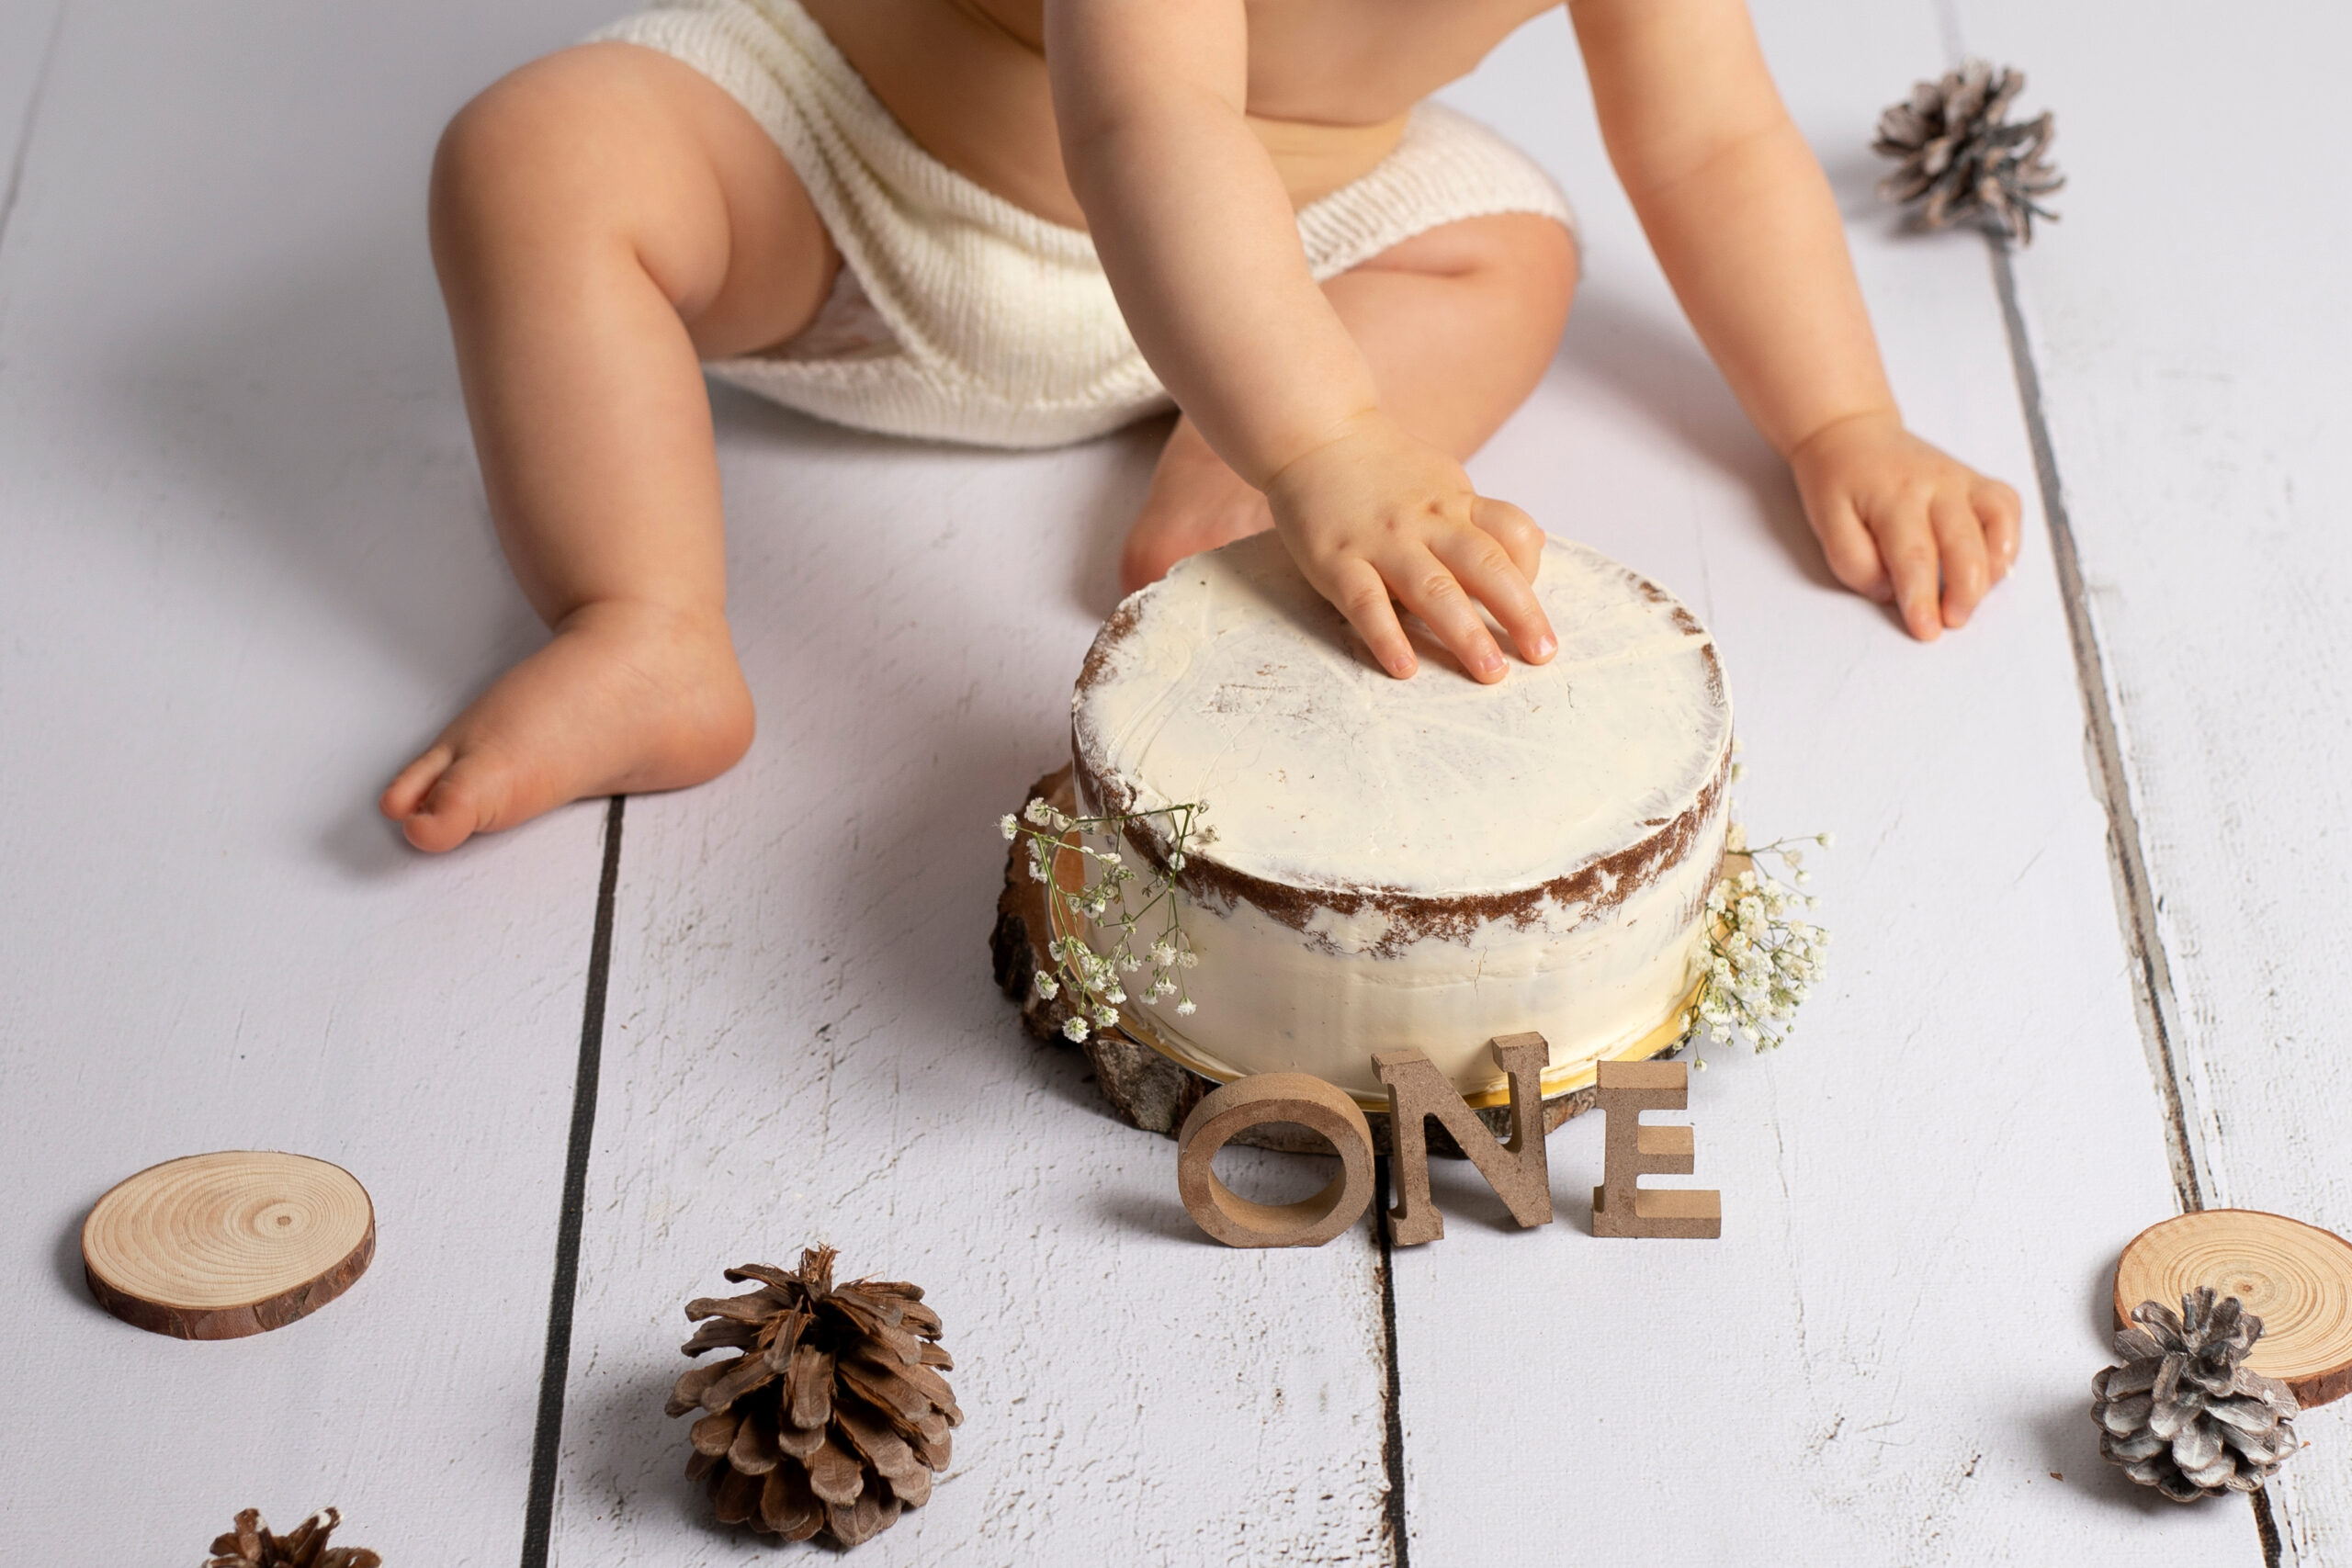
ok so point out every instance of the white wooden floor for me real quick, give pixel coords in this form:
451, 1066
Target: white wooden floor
2083, 975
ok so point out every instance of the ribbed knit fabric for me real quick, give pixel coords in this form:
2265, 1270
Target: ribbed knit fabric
960, 317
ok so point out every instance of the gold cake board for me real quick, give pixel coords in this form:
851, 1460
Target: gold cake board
1154, 1082
1558, 1081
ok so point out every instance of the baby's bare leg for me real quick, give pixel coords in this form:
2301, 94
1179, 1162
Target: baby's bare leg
602, 220
1459, 324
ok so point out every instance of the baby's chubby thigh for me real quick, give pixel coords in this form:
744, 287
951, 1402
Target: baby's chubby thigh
1460, 321
607, 151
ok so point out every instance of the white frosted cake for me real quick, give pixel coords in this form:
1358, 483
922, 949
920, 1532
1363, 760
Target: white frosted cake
1415, 864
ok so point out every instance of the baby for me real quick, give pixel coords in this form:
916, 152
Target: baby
1022, 222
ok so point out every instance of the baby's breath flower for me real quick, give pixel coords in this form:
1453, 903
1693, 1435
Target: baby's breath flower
1827, 841
1115, 902
1758, 961
1186, 1007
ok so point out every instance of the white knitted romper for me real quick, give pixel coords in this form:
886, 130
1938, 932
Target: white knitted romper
959, 316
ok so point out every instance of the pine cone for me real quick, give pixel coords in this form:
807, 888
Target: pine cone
251, 1545
834, 1416
1961, 160
2184, 1413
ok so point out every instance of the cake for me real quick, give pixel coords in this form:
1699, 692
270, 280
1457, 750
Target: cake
1428, 863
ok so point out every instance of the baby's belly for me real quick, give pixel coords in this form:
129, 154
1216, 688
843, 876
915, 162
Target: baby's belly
975, 96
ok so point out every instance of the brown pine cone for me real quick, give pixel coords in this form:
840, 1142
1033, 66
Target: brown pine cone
832, 1418
251, 1545
1963, 160
2184, 1413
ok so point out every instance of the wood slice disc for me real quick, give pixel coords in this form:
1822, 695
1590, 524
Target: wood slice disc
220, 1246
2296, 1278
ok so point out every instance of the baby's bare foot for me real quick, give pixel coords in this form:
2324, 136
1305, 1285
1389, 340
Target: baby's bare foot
1196, 504
625, 699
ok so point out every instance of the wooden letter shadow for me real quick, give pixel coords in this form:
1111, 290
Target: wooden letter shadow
1621, 1206
1252, 1101
1517, 1170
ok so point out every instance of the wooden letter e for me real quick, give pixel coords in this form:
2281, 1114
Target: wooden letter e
1621, 1206
1516, 1171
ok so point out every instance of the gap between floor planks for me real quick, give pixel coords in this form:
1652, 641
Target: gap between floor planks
2135, 909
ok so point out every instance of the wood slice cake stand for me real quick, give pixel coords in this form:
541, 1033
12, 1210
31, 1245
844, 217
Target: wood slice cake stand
2296, 1278
220, 1246
1146, 1084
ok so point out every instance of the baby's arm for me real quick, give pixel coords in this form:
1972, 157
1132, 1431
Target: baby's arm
1744, 223
1198, 236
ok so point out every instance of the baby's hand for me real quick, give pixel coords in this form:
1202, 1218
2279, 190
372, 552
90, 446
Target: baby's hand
1897, 518
1375, 515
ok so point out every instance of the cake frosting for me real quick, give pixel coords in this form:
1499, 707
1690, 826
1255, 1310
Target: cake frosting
1428, 863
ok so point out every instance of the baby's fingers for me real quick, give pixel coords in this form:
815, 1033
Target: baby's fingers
1516, 532
1425, 586
1960, 541
1997, 509
1356, 588
1907, 544
1852, 554
1494, 578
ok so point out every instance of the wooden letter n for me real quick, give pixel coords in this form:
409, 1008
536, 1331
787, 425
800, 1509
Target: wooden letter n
1516, 1171
1621, 1206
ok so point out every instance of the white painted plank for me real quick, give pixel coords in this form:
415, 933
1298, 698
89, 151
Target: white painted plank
2190, 322
247, 571
1887, 1355
806, 1047
29, 33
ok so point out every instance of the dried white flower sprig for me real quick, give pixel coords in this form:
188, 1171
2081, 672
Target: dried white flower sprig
1116, 901
1761, 959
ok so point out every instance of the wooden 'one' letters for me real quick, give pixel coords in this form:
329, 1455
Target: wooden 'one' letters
1621, 1206
1517, 1170
1252, 1101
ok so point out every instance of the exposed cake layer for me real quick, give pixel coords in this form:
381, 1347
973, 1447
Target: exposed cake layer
1426, 863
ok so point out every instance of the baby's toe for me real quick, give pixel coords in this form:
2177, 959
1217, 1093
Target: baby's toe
462, 802
410, 787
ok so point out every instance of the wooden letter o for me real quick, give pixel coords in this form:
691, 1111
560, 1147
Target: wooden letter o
1253, 1101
